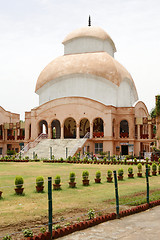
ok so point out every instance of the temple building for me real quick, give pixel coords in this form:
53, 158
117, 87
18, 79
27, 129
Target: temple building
89, 99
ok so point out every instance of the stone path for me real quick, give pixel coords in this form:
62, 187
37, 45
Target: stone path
140, 226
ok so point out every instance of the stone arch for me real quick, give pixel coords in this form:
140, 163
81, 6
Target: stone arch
70, 128
98, 127
84, 127
43, 127
55, 129
124, 129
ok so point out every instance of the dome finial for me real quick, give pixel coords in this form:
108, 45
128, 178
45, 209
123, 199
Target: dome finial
89, 21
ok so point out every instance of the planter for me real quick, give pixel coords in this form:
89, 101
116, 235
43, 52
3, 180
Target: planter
56, 186
85, 182
72, 184
139, 174
97, 180
1, 194
19, 191
120, 178
39, 188
130, 175
154, 173
109, 179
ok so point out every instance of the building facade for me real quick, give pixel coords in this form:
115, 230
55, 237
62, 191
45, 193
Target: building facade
87, 91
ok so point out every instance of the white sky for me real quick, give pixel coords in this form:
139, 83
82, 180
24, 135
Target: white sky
31, 32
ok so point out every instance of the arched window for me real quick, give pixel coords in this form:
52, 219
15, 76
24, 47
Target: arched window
43, 127
84, 127
124, 129
56, 129
98, 129
70, 128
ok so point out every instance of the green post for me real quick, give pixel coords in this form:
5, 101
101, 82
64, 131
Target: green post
66, 152
33, 155
147, 181
132, 156
139, 156
50, 153
50, 205
116, 193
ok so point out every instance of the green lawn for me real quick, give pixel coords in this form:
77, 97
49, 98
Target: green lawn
101, 197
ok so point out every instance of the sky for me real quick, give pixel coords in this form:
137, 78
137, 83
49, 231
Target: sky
32, 31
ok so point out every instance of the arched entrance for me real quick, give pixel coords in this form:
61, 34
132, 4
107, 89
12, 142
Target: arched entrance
70, 128
98, 129
124, 129
43, 127
56, 129
84, 127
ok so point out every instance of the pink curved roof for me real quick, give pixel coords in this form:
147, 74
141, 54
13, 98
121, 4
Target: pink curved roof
100, 64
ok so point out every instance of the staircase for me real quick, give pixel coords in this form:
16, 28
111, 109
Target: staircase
42, 149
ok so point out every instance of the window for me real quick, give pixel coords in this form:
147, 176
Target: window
98, 147
1, 150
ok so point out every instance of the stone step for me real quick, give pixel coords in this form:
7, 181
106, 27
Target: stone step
42, 149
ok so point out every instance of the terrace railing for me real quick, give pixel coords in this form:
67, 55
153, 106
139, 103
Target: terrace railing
32, 144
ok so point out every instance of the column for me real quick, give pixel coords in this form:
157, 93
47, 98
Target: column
150, 131
77, 131
16, 134
49, 132
91, 130
138, 131
62, 132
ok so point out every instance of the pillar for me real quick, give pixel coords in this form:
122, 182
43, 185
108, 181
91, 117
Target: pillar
150, 131
62, 132
91, 130
77, 131
138, 131
49, 132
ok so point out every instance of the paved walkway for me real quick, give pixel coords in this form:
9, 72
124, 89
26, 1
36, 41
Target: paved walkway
140, 226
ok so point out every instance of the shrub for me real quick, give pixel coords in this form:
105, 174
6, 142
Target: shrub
28, 233
135, 160
98, 174
26, 158
154, 167
130, 170
57, 179
159, 167
147, 160
69, 158
40, 181
139, 167
7, 237
72, 176
85, 175
120, 172
105, 159
159, 160
74, 159
42, 229
19, 182
91, 213
114, 160
109, 173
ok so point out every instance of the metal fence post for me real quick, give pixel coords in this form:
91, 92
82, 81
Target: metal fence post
116, 193
147, 181
109, 155
50, 205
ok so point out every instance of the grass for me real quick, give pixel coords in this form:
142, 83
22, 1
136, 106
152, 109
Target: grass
33, 206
